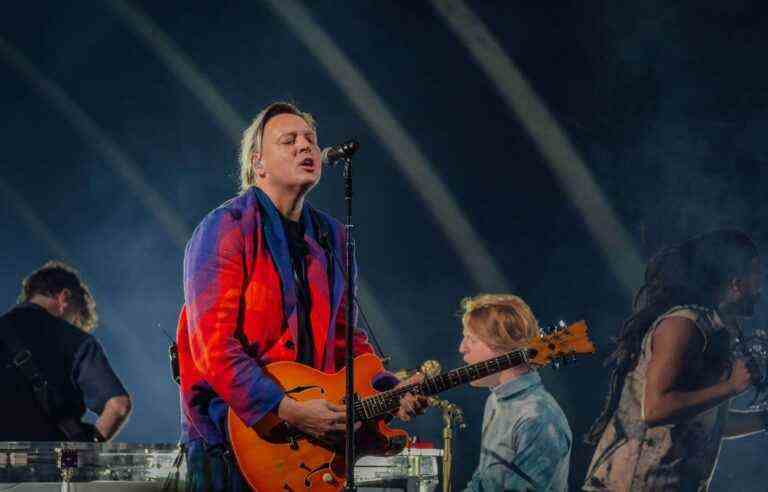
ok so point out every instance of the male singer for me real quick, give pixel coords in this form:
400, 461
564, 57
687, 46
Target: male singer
263, 282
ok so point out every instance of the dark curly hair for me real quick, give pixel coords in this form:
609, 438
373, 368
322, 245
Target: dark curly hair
693, 272
55, 276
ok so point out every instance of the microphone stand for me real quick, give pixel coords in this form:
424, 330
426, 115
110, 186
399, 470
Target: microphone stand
350, 396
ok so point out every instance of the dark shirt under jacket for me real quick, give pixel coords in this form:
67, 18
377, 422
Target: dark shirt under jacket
71, 360
298, 248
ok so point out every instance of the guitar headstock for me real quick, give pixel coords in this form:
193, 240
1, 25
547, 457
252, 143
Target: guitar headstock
561, 345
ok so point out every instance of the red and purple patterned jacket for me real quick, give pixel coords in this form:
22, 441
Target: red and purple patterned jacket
240, 311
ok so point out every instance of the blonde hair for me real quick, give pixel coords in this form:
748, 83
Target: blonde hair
253, 135
502, 321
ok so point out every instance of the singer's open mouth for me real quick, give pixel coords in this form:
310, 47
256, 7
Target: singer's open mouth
308, 163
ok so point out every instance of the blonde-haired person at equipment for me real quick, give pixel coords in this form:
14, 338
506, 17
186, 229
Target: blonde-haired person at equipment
526, 439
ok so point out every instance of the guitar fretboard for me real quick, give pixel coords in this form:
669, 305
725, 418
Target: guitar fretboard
387, 401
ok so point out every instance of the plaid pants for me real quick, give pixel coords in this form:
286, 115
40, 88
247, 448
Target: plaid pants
213, 469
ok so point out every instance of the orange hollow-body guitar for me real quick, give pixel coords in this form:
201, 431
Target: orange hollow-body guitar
274, 457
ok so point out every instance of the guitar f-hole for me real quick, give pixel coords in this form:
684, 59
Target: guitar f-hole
301, 389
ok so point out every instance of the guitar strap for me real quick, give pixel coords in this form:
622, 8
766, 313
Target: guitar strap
14, 354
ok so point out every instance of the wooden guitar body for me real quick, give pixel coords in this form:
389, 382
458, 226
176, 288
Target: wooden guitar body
273, 457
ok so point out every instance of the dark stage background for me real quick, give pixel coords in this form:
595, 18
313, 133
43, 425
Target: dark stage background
119, 132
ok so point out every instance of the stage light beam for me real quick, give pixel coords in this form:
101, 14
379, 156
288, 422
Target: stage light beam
616, 244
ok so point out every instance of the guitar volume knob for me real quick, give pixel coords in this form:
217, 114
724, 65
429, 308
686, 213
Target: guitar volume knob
328, 478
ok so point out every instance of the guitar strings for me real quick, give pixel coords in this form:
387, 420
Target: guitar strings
384, 402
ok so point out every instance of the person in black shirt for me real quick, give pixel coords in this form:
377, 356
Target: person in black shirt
51, 327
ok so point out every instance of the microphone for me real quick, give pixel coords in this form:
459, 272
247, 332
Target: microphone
332, 155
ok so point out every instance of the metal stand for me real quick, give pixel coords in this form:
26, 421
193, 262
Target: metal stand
350, 312
447, 450
452, 416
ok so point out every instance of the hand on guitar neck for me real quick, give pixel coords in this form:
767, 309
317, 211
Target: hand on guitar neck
410, 404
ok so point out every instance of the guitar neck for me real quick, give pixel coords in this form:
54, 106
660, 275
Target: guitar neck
388, 401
